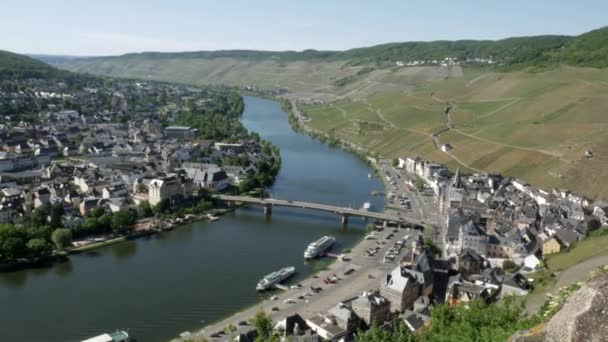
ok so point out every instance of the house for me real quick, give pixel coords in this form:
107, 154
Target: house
446, 147
372, 308
515, 285
41, 197
215, 179
566, 237
469, 262
7, 213
471, 236
180, 132
531, 262
462, 291
338, 322
405, 284
415, 321
90, 203
294, 328
549, 245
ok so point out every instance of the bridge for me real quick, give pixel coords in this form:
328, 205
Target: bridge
344, 212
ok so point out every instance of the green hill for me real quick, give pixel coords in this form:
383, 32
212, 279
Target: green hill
13, 65
589, 49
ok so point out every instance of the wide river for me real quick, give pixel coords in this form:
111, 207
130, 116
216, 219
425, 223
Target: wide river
160, 286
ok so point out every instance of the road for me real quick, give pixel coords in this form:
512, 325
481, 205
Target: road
366, 277
424, 206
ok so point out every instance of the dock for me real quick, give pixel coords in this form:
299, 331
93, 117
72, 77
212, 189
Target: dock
281, 287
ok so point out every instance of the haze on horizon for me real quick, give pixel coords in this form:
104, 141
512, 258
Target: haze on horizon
113, 27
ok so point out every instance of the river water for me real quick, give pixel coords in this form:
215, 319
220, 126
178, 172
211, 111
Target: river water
159, 286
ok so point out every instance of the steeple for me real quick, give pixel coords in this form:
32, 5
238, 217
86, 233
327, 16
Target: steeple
456, 180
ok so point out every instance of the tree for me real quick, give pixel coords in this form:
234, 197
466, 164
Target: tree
163, 206
40, 215
39, 232
141, 187
510, 266
419, 184
370, 227
431, 247
146, 209
97, 212
262, 324
56, 214
61, 237
122, 220
39, 247
13, 247
204, 193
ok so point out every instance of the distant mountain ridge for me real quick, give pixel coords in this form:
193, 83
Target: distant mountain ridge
589, 49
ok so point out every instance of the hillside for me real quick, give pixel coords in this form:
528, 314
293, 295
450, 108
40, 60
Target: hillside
534, 116
13, 65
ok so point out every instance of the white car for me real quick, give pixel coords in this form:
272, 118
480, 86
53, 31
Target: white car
274, 297
289, 301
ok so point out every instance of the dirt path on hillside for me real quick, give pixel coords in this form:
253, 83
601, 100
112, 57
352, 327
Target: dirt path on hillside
576, 273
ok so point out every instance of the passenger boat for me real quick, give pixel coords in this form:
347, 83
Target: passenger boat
316, 248
275, 277
117, 336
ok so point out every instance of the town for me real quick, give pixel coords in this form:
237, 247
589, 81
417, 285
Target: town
493, 234
102, 157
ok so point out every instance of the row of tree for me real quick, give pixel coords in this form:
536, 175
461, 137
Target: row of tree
42, 231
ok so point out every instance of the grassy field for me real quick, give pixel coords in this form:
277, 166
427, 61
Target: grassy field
584, 250
535, 126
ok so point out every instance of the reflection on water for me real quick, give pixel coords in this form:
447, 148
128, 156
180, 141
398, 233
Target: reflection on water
124, 250
64, 267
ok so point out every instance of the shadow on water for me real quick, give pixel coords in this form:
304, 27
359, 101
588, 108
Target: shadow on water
92, 254
14, 280
64, 267
124, 250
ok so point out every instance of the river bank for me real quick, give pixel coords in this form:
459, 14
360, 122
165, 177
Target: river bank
359, 283
203, 271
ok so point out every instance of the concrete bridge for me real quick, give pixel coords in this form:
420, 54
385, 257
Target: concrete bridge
343, 212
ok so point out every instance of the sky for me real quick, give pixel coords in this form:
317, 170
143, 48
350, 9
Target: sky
112, 27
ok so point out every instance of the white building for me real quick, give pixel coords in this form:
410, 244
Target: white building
168, 187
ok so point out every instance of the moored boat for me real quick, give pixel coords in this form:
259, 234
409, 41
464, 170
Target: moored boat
316, 248
275, 277
117, 336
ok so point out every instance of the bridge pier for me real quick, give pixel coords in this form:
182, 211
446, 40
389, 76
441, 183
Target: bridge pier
385, 224
267, 209
344, 219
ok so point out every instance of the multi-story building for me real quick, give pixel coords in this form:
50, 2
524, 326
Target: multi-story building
169, 187
372, 308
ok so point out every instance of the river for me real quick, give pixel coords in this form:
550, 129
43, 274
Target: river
159, 286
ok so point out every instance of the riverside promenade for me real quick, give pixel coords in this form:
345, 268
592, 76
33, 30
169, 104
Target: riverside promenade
366, 277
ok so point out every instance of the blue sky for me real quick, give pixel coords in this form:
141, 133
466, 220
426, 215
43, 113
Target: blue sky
109, 27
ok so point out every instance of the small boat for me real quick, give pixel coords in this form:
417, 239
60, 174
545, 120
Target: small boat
212, 218
275, 277
117, 336
367, 205
369, 175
